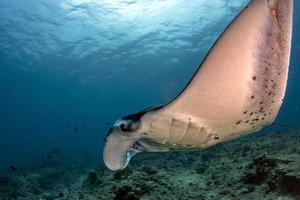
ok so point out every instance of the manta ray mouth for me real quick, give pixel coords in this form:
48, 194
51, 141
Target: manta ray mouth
119, 149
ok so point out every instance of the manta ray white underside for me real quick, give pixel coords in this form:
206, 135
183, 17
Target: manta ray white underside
237, 90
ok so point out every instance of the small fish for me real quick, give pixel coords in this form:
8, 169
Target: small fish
76, 129
48, 157
53, 151
12, 168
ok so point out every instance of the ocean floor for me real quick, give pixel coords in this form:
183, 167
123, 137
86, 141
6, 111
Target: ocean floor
260, 166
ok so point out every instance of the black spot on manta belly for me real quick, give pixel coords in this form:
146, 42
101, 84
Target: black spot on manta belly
238, 122
216, 137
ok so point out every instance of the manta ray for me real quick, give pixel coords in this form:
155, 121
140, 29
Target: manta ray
238, 89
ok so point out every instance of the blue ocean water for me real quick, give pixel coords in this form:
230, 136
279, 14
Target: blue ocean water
68, 68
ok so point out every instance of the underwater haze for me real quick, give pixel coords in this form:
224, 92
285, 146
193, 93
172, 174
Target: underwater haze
69, 68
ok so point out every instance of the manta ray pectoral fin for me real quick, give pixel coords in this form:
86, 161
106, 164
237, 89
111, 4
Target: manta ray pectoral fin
241, 83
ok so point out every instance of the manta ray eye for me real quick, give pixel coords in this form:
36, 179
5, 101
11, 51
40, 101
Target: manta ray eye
125, 127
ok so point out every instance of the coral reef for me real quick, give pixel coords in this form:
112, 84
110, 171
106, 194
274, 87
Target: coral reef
260, 166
